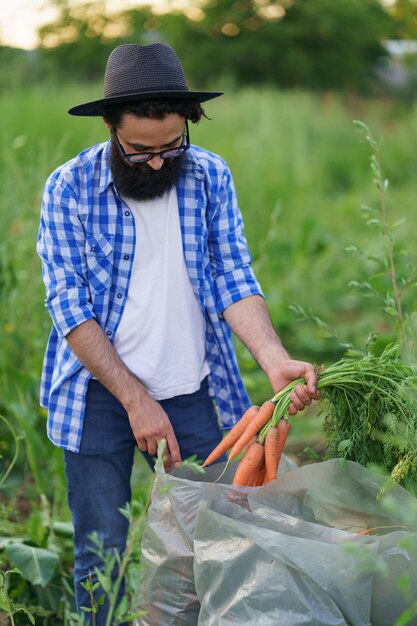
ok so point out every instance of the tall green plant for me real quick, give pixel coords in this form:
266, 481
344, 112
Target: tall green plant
6, 602
119, 611
393, 281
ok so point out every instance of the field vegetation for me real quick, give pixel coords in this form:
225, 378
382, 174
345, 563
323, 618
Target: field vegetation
302, 172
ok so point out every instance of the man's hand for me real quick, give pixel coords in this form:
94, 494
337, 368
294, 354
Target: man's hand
150, 424
287, 370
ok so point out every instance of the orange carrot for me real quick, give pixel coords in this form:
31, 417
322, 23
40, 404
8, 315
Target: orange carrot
232, 436
283, 428
248, 464
271, 454
260, 475
264, 414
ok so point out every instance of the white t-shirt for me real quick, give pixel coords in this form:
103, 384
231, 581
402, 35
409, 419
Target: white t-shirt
161, 336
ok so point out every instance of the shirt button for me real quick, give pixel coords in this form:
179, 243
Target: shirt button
93, 248
126, 257
109, 333
119, 295
127, 213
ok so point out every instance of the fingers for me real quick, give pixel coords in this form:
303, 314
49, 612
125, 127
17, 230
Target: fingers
152, 447
292, 410
151, 425
316, 396
301, 397
311, 381
173, 448
142, 445
171, 454
148, 445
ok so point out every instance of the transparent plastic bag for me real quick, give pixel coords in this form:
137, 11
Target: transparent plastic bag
344, 495
398, 552
337, 493
167, 551
251, 569
289, 553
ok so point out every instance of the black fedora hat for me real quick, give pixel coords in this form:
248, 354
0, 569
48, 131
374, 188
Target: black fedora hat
138, 72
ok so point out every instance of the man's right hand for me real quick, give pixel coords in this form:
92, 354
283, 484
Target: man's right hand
150, 424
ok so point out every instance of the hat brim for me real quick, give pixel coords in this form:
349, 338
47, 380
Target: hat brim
95, 107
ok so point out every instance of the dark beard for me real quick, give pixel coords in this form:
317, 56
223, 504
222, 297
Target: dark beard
140, 181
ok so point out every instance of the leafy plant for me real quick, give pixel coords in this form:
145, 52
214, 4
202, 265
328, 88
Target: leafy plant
371, 414
37, 565
104, 582
6, 602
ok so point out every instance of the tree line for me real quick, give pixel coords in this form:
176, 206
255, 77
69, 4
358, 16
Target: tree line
315, 44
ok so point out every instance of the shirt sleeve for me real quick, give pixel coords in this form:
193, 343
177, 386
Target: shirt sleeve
230, 258
61, 248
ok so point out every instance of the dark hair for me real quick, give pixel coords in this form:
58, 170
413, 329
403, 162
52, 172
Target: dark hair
157, 109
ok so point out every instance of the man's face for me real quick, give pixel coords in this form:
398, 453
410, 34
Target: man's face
145, 181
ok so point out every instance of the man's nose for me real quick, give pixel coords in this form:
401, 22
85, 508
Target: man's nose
156, 162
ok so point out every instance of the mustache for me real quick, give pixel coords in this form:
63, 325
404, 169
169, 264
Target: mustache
140, 181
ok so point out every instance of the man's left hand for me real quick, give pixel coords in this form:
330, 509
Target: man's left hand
286, 371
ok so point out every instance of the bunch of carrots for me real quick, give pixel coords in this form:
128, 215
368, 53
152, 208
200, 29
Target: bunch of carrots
260, 460
365, 395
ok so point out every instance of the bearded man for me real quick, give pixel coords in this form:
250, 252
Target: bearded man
147, 271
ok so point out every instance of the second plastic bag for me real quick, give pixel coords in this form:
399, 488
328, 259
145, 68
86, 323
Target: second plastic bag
250, 569
345, 496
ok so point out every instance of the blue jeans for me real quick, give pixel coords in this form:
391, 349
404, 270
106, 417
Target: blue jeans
98, 477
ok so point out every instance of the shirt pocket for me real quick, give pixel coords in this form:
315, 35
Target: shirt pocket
99, 253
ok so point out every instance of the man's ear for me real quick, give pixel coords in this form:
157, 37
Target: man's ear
107, 124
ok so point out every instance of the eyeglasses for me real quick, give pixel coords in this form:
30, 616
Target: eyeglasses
143, 157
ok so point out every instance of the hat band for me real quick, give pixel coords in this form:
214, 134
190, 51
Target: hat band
156, 88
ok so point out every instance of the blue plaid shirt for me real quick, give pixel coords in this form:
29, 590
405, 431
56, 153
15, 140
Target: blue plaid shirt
86, 243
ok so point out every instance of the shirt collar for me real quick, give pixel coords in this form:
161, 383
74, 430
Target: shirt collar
106, 176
